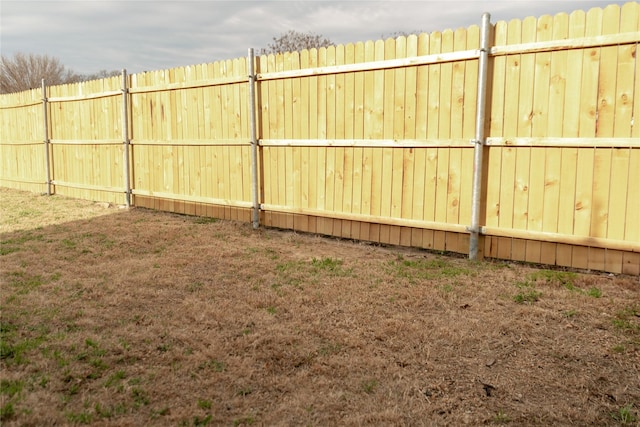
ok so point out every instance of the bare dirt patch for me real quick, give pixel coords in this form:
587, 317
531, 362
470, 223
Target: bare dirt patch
135, 317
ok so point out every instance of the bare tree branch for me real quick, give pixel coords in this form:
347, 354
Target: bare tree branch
293, 41
24, 72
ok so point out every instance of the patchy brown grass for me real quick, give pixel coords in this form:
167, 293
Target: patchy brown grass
135, 317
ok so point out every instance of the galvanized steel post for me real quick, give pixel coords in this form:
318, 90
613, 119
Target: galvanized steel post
254, 140
46, 138
125, 138
479, 140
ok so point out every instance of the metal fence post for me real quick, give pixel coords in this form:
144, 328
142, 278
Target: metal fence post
46, 138
254, 140
125, 138
479, 140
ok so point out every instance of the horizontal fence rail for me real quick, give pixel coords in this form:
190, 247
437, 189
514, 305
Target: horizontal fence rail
406, 141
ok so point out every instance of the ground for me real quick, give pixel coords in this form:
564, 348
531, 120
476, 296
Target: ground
116, 316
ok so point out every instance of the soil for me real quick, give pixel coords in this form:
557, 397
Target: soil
115, 316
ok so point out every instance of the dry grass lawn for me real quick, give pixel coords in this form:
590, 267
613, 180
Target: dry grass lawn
135, 317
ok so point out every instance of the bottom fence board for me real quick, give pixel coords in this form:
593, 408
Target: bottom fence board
504, 248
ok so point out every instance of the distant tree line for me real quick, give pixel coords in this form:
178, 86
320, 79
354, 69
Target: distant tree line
26, 71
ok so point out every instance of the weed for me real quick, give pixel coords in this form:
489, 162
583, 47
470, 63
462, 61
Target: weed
69, 244
276, 287
271, 310
6, 250
328, 263
527, 294
139, 396
594, 292
7, 411
626, 319
159, 413
248, 420
426, 269
11, 388
73, 389
44, 380
205, 220
135, 381
194, 287
272, 253
24, 283
216, 365
501, 417
369, 386
625, 415
289, 266
244, 391
79, 417
329, 349
570, 313
530, 296
618, 348
447, 287
60, 360
15, 353
204, 404
204, 421
101, 411
564, 278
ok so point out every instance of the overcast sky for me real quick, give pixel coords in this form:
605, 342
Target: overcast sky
91, 35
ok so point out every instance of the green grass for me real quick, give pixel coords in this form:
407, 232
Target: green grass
7, 411
627, 319
427, 269
115, 379
501, 418
328, 264
527, 297
244, 391
140, 397
205, 220
563, 278
627, 322
204, 404
194, 287
24, 282
369, 386
625, 415
214, 365
6, 250
248, 420
11, 388
528, 294
16, 352
594, 292
204, 421
83, 417
15, 244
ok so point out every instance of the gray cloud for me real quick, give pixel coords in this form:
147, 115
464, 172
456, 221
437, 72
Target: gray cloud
90, 35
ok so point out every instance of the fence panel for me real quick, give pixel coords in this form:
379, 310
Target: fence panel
567, 93
22, 155
86, 139
193, 156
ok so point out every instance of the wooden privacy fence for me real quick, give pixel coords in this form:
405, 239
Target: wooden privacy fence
405, 141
